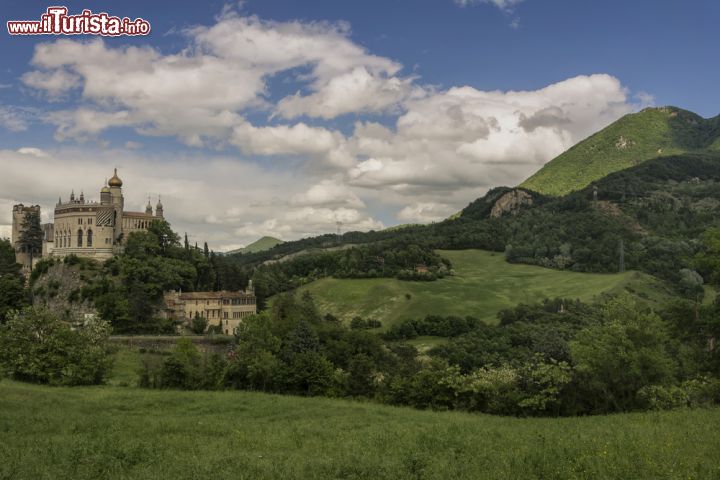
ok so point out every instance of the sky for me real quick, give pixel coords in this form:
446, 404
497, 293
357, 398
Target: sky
283, 118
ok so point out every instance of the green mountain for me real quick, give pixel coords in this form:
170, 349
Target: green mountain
630, 141
260, 245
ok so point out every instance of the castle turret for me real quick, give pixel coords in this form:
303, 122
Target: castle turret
159, 209
105, 195
117, 200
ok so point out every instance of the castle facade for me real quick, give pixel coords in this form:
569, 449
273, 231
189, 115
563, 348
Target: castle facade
85, 228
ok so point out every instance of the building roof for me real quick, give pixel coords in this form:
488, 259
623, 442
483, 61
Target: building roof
213, 295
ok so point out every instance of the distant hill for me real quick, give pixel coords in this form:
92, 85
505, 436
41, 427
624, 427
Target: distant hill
630, 141
260, 245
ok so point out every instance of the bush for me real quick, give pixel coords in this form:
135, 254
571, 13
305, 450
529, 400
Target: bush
36, 346
198, 325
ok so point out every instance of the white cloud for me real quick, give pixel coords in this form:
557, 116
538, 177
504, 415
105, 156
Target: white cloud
32, 151
465, 137
13, 118
425, 212
55, 83
222, 200
328, 193
202, 93
504, 5
440, 150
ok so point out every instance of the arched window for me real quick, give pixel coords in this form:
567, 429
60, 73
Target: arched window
89, 237
79, 237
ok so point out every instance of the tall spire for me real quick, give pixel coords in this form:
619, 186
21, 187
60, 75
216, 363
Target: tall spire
148, 208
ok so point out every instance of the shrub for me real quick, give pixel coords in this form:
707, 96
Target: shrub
36, 346
198, 325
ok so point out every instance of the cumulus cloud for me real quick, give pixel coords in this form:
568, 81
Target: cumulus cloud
202, 93
466, 137
436, 150
55, 83
425, 212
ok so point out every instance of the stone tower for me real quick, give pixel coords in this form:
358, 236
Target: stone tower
21, 256
117, 200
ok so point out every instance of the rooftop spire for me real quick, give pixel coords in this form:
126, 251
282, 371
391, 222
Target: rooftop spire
115, 180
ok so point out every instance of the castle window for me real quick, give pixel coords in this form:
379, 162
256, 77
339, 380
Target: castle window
79, 221
90, 237
79, 238
89, 221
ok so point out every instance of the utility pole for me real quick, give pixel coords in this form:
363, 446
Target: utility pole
622, 256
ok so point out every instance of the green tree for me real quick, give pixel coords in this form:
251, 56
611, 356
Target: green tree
615, 359
31, 235
198, 324
36, 346
12, 286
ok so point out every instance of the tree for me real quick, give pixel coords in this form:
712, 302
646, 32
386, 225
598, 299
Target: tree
31, 235
707, 261
12, 285
36, 346
198, 325
8, 265
12, 295
615, 359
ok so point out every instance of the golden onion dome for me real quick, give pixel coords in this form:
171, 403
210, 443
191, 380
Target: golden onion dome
115, 180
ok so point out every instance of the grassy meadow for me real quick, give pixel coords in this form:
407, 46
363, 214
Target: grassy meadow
483, 284
121, 432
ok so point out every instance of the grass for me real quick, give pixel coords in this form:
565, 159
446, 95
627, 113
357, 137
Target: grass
483, 285
123, 433
262, 244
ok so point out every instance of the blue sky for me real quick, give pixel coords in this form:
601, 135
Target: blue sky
388, 112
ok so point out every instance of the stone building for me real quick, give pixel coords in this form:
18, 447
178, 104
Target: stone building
226, 309
88, 228
21, 256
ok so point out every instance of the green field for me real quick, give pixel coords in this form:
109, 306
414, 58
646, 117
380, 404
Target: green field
483, 284
116, 432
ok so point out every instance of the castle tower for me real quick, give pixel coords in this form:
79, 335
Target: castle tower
117, 200
21, 256
105, 195
148, 207
159, 213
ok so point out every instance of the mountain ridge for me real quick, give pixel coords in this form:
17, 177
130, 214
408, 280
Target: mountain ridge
631, 140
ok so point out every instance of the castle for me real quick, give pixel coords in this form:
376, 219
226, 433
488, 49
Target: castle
85, 228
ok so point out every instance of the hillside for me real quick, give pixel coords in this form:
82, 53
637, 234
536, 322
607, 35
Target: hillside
259, 245
630, 141
112, 432
483, 284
